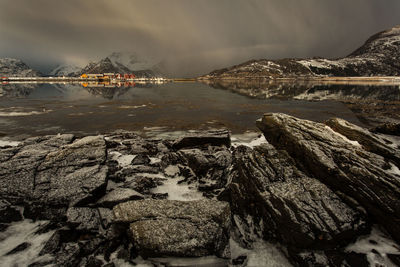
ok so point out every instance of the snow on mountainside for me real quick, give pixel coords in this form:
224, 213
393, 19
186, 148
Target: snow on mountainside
124, 63
15, 67
132, 61
65, 70
378, 56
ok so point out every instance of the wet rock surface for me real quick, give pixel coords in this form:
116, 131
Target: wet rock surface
179, 228
310, 192
359, 176
294, 208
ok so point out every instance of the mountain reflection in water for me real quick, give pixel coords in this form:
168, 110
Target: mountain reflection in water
373, 103
36, 109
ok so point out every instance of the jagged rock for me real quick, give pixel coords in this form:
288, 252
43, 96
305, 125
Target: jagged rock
48, 174
330, 258
167, 227
106, 217
85, 219
19, 248
295, 209
368, 140
388, 128
358, 176
211, 138
210, 166
19, 165
143, 184
8, 213
117, 196
68, 255
140, 160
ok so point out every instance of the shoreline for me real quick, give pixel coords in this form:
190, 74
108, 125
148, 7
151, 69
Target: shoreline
323, 80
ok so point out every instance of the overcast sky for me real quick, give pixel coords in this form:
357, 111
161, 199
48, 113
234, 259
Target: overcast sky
193, 36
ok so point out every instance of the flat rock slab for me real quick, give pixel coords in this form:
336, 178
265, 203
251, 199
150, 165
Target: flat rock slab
359, 176
54, 172
117, 196
211, 138
177, 228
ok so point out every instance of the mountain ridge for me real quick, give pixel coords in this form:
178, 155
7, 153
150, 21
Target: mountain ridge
377, 56
16, 67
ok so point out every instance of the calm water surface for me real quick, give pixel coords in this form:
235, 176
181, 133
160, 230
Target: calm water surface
30, 110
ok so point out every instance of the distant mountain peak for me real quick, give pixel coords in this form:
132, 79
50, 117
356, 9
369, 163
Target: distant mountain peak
16, 67
123, 62
65, 70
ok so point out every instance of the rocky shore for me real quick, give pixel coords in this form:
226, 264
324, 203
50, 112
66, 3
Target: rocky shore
303, 194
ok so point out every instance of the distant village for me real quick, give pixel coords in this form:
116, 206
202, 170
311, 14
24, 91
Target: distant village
88, 79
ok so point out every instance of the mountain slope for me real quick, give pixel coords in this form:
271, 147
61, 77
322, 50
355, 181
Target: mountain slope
378, 56
122, 63
15, 67
65, 70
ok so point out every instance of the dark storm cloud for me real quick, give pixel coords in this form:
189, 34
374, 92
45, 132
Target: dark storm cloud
192, 36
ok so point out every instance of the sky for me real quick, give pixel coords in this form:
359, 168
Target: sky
191, 37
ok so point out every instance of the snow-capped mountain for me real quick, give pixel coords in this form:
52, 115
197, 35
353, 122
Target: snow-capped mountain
65, 70
132, 61
123, 63
15, 67
378, 56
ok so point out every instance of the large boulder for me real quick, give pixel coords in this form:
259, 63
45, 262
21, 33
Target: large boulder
18, 165
293, 208
48, 174
358, 176
177, 228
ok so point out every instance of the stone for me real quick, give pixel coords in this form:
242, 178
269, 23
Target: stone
294, 209
369, 141
117, 196
8, 213
18, 166
143, 184
48, 174
177, 228
19, 248
140, 160
209, 138
84, 219
388, 128
360, 177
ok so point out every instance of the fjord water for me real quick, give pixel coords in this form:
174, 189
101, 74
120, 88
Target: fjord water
31, 110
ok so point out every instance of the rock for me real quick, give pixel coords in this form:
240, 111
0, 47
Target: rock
366, 139
209, 138
117, 196
19, 248
8, 213
210, 166
357, 175
84, 219
81, 169
330, 258
53, 244
295, 209
143, 184
106, 217
18, 166
69, 255
140, 160
177, 228
159, 195
388, 128
48, 174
